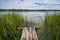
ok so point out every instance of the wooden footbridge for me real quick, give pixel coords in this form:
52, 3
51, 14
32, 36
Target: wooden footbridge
29, 33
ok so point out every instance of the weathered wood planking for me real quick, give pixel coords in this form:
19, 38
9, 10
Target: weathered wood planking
29, 33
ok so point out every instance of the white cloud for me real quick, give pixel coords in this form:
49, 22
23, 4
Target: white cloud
30, 4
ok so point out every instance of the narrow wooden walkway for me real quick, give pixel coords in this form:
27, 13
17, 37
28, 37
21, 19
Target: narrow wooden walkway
29, 34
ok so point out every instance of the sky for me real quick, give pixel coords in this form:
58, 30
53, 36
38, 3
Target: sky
30, 4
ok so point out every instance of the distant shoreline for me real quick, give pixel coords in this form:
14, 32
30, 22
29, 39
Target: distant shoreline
26, 10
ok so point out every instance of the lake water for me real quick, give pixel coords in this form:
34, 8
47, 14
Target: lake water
35, 16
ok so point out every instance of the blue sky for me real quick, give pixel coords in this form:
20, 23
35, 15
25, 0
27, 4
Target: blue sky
30, 4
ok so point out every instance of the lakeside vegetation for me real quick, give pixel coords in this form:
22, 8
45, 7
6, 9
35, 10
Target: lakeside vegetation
10, 27
25, 10
52, 27
9, 24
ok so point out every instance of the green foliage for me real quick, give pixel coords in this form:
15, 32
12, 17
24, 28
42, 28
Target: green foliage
10, 27
9, 24
52, 27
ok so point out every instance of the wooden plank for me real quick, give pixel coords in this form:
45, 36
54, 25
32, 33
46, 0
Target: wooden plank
29, 34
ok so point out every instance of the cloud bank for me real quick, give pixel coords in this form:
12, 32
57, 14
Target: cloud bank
30, 4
